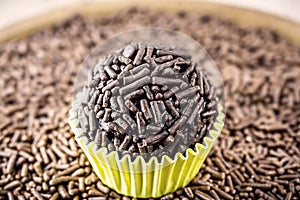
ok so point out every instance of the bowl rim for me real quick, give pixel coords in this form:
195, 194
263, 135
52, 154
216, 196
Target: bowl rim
244, 17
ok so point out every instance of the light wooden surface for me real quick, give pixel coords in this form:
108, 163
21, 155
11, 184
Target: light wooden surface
243, 17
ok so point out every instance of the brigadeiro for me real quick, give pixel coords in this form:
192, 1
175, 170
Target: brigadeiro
146, 118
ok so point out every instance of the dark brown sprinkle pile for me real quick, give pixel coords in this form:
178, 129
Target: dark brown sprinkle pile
146, 99
257, 156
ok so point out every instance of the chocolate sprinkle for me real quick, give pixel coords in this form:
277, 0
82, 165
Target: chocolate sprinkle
148, 99
261, 74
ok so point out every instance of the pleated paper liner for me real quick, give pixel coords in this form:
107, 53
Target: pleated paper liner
145, 179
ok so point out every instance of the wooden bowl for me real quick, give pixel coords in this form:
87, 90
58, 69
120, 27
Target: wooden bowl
243, 17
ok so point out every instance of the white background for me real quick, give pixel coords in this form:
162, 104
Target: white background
12, 11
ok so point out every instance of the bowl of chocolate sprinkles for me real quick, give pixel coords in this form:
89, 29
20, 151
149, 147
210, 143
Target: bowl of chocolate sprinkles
257, 154
147, 110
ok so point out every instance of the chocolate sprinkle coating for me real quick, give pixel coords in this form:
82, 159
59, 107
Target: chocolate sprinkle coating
147, 100
261, 74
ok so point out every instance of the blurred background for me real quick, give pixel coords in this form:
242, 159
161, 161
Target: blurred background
15, 10
258, 55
